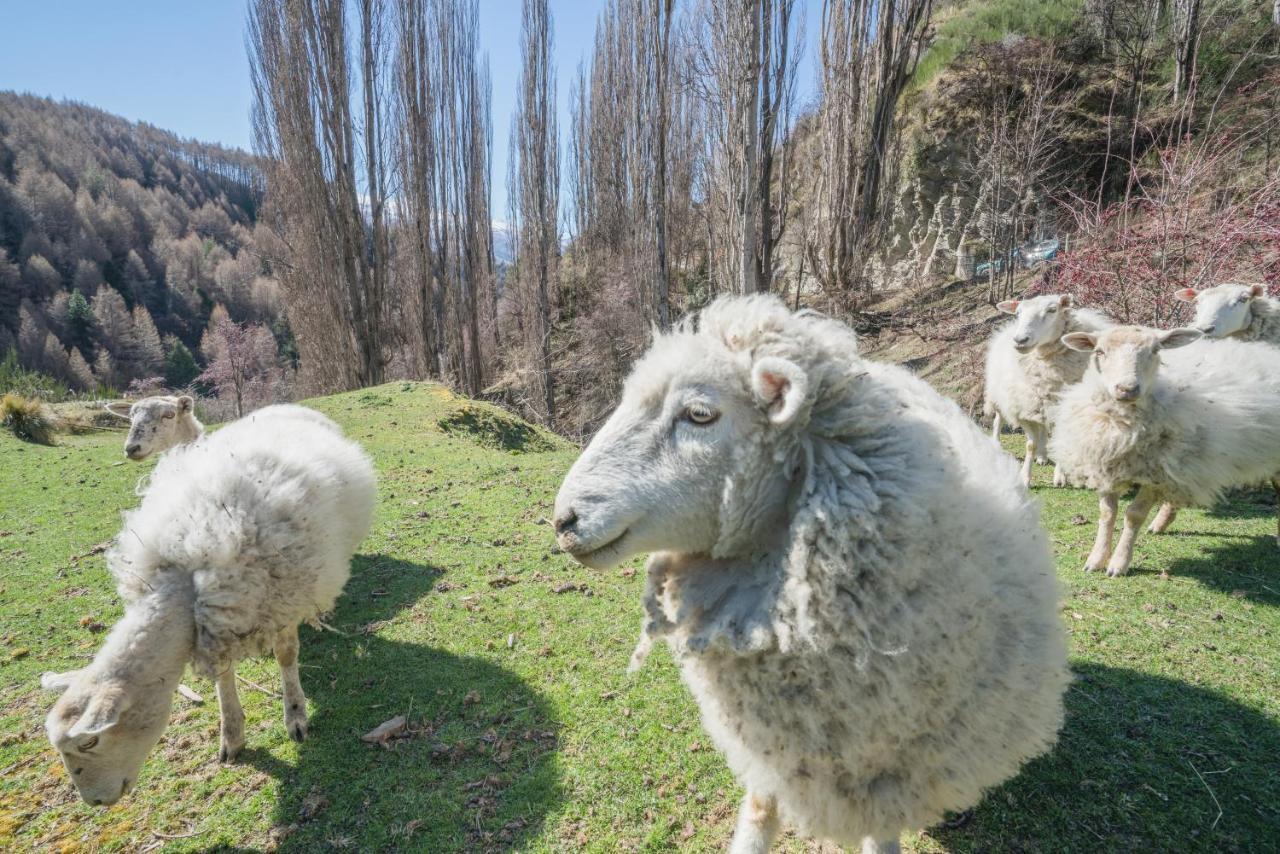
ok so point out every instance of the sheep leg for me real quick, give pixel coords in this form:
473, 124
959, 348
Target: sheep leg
1135, 516
1033, 451
1164, 518
1059, 479
232, 714
295, 702
757, 825
995, 427
1041, 442
1106, 527
888, 846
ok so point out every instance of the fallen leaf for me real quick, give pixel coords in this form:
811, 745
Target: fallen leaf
503, 581
189, 694
472, 698
1079, 520
312, 805
385, 731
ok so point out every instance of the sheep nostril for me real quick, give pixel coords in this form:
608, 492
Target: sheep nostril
132, 449
565, 521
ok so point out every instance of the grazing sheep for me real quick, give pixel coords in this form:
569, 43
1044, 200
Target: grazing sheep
239, 537
1184, 432
157, 424
852, 576
1244, 312
1027, 368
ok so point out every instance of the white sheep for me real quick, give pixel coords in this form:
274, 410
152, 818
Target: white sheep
1244, 312
1205, 421
1027, 367
239, 538
852, 576
157, 424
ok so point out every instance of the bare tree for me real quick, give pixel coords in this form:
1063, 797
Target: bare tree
443, 105
326, 162
869, 52
535, 193
745, 68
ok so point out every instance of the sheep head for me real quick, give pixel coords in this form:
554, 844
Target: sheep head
104, 730
156, 424
1223, 310
1127, 358
694, 460
1040, 320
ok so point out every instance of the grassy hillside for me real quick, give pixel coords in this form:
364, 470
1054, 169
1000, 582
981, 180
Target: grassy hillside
508, 660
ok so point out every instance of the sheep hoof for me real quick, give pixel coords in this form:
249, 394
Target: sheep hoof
228, 753
298, 732
1115, 571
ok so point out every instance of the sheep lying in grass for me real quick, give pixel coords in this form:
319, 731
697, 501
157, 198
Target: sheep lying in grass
157, 424
1205, 421
1028, 366
1244, 312
852, 576
239, 538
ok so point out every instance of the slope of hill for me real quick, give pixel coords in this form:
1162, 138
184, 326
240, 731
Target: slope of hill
116, 242
508, 661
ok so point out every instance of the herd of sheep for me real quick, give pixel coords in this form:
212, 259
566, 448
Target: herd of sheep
852, 576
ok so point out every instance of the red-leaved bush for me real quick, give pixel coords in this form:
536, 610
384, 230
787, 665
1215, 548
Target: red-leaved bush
244, 367
1201, 217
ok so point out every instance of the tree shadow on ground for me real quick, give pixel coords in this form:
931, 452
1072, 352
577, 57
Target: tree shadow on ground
1144, 763
477, 771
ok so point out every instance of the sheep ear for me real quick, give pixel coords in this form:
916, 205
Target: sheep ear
186, 403
102, 713
780, 386
1258, 290
51, 681
113, 408
1179, 338
1185, 295
1009, 306
1066, 300
1080, 341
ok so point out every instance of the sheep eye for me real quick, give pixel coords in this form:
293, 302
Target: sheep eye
88, 745
700, 415
169, 414
1053, 309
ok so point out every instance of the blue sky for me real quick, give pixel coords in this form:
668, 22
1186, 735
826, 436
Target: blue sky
181, 65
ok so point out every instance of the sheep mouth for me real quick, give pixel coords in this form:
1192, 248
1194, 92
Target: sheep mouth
599, 557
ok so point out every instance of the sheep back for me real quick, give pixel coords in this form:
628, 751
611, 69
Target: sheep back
265, 529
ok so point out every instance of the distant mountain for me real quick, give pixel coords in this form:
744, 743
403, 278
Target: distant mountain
504, 250
117, 240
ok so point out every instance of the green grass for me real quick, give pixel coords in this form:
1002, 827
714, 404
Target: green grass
962, 26
530, 734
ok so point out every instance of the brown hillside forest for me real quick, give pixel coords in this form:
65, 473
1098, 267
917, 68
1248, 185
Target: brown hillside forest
955, 154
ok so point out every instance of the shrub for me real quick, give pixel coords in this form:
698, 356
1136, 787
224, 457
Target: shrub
27, 418
26, 383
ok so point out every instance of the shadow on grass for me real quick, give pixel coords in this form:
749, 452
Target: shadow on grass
1250, 568
477, 774
1255, 503
1143, 764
